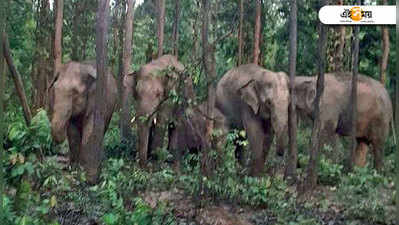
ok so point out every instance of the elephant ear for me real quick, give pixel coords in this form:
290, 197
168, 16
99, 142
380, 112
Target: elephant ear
92, 71
248, 95
306, 93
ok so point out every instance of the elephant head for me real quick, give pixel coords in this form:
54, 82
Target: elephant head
305, 91
68, 96
268, 96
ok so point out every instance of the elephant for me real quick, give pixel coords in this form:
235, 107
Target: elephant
374, 110
255, 99
72, 102
154, 111
190, 131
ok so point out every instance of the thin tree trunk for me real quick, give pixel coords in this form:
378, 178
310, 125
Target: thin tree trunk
353, 102
59, 4
92, 157
397, 125
339, 65
17, 80
257, 32
311, 179
127, 58
385, 51
292, 157
161, 25
208, 60
240, 41
75, 28
176, 29
2, 87
40, 76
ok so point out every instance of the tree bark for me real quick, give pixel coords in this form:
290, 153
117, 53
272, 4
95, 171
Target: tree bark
2, 87
176, 29
339, 64
397, 125
311, 179
59, 4
240, 41
293, 155
257, 32
17, 80
385, 51
92, 157
75, 27
127, 58
161, 25
40, 63
209, 65
353, 101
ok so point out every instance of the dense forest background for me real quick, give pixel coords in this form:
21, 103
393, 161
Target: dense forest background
41, 189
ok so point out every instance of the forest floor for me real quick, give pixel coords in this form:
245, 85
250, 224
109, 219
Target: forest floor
323, 206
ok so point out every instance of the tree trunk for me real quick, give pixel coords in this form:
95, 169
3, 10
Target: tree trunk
397, 129
353, 101
208, 60
257, 32
127, 58
240, 41
161, 25
339, 57
59, 4
17, 80
293, 155
176, 29
40, 63
75, 27
311, 179
92, 157
385, 51
2, 87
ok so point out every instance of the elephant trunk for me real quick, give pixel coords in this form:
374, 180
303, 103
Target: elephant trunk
279, 118
58, 130
62, 112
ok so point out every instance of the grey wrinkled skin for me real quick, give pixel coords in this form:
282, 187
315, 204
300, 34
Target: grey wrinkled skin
255, 99
153, 84
190, 131
374, 110
72, 97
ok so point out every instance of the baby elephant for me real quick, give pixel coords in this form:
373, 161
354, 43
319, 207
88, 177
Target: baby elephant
72, 96
190, 130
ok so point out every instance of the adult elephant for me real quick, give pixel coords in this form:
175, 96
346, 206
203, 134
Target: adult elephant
72, 96
374, 110
154, 83
255, 99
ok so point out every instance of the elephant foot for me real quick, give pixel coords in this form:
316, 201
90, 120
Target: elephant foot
91, 176
256, 172
361, 154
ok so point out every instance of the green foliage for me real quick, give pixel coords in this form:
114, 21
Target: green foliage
34, 139
365, 195
329, 173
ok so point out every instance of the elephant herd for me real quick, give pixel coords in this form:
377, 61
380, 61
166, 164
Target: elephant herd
247, 97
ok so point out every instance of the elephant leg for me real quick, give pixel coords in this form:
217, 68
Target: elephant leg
281, 143
361, 154
256, 137
143, 136
74, 142
159, 131
174, 147
378, 152
90, 158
